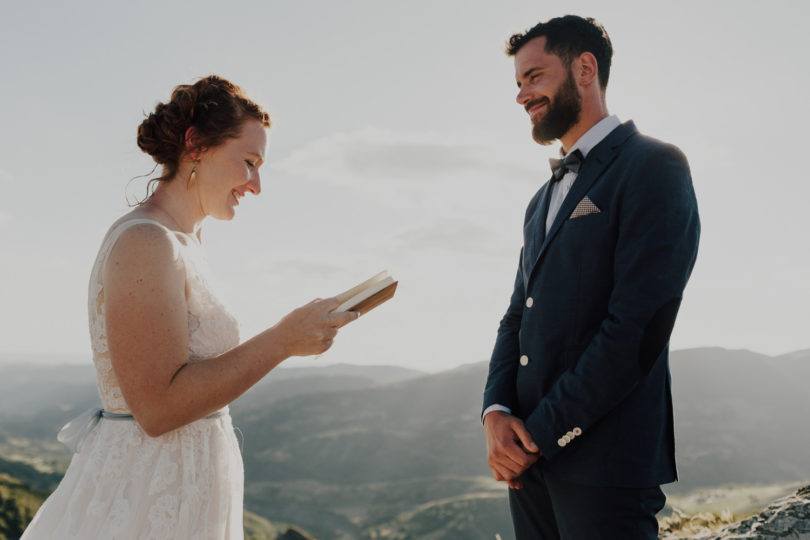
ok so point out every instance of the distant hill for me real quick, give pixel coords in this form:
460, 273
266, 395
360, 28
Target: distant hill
287, 382
740, 417
333, 459
373, 374
36, 400
356, 452
43, 482
343, 463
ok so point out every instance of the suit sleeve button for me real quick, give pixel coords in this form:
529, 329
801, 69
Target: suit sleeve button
529, 302
561, 442
570, 435
524, 360
576, 431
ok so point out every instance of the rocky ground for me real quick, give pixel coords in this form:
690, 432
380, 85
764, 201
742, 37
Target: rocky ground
788, 517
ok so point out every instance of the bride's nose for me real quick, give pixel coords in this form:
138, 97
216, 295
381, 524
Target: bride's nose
255, 185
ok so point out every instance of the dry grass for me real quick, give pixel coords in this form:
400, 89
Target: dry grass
681, 525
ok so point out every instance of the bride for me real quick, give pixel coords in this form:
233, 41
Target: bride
161, 461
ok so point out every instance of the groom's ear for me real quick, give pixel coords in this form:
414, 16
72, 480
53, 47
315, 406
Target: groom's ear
585, 69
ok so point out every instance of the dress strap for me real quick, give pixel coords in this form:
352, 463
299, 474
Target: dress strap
112, 238
118, 229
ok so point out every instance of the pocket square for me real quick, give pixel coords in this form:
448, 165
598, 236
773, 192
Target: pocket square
584, 207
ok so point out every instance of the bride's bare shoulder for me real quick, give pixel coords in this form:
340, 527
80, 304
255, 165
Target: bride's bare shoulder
145, 247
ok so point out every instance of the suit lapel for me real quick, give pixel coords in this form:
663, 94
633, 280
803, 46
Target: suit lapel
534, 231
595, 163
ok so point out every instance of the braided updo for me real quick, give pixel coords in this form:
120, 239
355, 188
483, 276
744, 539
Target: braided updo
213, 106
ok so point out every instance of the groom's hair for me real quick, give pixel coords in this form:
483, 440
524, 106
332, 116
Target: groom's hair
568, 37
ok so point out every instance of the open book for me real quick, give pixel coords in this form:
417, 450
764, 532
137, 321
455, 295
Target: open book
368, 295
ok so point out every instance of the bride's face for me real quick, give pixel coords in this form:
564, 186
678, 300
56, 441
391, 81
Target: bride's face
225, 173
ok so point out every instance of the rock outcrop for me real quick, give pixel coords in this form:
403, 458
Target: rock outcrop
788, 517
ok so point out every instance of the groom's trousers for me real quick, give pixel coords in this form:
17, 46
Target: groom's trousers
546, 508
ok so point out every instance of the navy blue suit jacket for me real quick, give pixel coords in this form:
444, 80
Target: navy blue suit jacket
605, 289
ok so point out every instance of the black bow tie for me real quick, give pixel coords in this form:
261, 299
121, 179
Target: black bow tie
572, 162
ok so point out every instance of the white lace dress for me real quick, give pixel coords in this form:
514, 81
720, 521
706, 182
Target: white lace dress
123, 484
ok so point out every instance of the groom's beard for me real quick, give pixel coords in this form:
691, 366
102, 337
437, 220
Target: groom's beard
563, 113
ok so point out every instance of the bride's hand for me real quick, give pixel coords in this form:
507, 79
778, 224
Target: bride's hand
311, 329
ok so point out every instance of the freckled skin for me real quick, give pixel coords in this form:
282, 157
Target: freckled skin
145, 296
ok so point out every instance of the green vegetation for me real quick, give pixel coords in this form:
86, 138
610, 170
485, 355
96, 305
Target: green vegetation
18, 504
29, 475
680, 525
259, 528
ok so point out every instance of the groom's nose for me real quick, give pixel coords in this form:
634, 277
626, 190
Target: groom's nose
523, 96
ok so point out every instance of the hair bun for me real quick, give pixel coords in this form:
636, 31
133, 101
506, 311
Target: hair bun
162, 134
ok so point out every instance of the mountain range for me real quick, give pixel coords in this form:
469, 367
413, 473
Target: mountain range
385, 452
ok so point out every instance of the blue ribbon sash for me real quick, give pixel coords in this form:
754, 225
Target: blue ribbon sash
74, 433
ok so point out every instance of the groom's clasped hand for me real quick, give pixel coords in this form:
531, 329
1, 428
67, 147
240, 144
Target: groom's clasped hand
510, 448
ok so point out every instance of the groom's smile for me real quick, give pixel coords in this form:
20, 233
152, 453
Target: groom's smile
536, 105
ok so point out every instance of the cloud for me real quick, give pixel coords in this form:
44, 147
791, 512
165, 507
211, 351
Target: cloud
419, 177
364, 157
459, 235
410, 160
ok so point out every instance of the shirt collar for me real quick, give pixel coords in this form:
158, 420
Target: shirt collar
594, 136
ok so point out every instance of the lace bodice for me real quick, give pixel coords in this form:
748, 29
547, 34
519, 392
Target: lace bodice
212, 330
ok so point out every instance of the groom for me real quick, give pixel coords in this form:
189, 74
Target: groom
577, 405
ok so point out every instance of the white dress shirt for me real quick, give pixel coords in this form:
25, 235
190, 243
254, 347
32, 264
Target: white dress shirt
592, 137
559, 190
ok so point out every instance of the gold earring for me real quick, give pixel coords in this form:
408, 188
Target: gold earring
192, 176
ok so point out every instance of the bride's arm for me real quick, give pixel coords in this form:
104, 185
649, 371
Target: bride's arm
147, 333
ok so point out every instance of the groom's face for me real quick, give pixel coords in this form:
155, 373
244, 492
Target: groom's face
548, 91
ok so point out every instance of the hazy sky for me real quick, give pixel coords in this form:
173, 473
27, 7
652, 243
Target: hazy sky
396, 144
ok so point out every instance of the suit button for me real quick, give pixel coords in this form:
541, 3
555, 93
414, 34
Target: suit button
577, 432
529, 302
561, 442
567, 439
524, 360
570, 435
